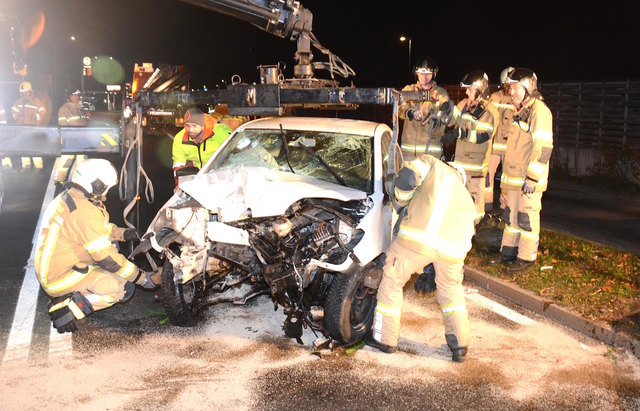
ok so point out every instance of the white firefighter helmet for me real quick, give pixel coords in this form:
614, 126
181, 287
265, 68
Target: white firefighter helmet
477, 79
504, 74
24, 87
96, 176
526, 77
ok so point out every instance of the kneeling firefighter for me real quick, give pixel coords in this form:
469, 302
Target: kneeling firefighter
437, 228
76, 262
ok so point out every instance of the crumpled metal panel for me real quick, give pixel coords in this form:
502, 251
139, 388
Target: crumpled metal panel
230, 192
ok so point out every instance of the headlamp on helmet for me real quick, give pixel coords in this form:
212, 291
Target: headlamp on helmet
525, 77
428, 66
477, 79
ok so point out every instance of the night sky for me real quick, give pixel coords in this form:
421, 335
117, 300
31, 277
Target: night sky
560, 40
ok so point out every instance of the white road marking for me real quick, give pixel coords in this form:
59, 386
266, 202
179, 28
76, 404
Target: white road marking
19, 341
499, 309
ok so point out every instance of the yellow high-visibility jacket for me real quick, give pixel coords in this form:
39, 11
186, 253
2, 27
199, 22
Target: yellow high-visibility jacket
440, 213
75, 236
529, 147
504, 106
186, 152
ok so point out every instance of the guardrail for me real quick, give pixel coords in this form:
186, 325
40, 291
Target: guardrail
30, 140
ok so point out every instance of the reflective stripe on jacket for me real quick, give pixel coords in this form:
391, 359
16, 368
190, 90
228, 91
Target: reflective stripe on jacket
475, 134
76, 235
441, 213
71, 114
503, 104
415, 134
27, 111
529, 147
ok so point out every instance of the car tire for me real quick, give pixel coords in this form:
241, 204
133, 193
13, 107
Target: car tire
179, 300
349, 307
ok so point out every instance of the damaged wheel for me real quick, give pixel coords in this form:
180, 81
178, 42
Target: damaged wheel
350, 305
180, 301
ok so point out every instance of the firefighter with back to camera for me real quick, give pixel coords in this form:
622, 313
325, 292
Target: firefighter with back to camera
76, 262
473, 133
436, 228
421, 132
196, 143
525, 171
502, 103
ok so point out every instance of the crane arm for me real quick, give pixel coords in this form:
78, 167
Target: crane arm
283, 18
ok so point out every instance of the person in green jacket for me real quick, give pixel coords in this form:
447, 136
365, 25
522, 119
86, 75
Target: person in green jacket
196, 143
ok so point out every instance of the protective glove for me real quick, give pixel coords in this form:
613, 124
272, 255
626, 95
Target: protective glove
415, 114
130, 234
450, 137
446, 109
528, 187
146, 282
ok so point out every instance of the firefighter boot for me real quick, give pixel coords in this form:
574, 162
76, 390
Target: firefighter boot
502, 259
372, 342
519, 265
458, 353
66, 309
426, 282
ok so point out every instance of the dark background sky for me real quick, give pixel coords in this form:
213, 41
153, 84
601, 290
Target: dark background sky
560, 40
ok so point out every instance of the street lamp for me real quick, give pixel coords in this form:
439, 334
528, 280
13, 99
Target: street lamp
407, 39
55, 64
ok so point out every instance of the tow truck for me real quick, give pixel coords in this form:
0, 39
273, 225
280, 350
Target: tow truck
274, 94
158, 79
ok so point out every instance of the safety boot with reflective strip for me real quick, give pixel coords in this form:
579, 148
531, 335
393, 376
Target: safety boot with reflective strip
66, 309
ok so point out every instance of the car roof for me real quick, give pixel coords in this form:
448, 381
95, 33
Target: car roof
336, 125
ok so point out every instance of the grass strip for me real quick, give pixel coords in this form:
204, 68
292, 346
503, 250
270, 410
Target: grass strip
595, 281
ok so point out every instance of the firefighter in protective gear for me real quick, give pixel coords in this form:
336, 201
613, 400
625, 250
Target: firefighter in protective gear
28, 111
437, 228
525, 171
71, 113
75, 261
421, 132
196, 143
501, 102
474, 128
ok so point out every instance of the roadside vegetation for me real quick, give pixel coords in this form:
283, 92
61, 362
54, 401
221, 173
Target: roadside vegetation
598, 282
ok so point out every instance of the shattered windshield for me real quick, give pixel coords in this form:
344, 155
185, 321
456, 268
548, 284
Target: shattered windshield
338, 158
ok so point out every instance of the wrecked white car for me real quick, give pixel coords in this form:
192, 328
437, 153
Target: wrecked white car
291, 207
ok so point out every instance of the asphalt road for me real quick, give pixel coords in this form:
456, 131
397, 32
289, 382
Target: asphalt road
238, 357
596, 215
